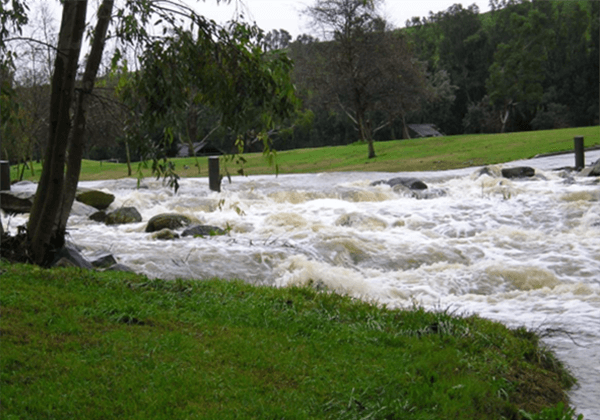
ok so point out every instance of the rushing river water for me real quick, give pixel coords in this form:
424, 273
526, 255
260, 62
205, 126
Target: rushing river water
524, 252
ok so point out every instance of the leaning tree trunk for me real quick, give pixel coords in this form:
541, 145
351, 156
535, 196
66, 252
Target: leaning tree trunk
405, 133
76, 142
48, 200
503, 119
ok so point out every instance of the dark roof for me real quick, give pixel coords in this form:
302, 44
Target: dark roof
202, 148
425, 130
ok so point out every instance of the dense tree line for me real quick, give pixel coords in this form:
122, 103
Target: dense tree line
525, 65
522, 66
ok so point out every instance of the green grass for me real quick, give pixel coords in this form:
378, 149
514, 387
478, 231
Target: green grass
428, 154
88, 345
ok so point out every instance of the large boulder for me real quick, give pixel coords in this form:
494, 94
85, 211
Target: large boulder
167, 221
203, 230
419, 194
16, 202
70, 257
122, 216
410, 183
361, 221
97, 199
518, 172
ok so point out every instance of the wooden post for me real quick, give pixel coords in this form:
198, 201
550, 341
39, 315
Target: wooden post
4, 175
579, 153
214, 176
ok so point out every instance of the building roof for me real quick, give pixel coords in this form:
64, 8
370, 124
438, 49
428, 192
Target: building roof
425, 130
202, 148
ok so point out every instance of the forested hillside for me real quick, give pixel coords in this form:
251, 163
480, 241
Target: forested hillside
522, 66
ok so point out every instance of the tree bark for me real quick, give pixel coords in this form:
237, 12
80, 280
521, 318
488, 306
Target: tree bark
364, 131
405, 133
76, 143
47, 203
504, 118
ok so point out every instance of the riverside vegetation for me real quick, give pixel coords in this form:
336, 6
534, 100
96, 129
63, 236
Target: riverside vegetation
109, 345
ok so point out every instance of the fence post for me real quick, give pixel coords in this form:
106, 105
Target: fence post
4, 175
214, 175
579, 153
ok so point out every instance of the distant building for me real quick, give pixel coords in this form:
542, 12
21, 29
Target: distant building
202, 148
424, 130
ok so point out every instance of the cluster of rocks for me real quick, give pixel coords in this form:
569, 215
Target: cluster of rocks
163, 226
413, 187
69, 256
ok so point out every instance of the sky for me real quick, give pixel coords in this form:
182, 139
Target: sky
287, 14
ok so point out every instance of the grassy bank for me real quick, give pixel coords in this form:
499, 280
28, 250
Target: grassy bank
87, 345
428, 154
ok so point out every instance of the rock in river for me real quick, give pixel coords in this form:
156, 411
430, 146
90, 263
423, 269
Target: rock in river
97, 199
123, 215
167, 221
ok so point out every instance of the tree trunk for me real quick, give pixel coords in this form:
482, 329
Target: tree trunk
128, 156
76, 143
405, 133
48, 199
504, 119
365, 133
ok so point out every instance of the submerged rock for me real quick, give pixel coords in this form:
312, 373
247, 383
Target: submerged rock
411, 183
593, 170
167, 221
418, 194
165, 235
203, 230
361, 221
518, 172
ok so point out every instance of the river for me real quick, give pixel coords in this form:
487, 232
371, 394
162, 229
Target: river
523, 252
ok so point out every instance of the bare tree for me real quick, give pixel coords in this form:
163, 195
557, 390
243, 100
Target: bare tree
364, 67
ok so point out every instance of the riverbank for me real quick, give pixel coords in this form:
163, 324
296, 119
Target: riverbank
82, 344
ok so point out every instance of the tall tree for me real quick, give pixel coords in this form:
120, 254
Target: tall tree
516, 74
346, 23
364, 66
